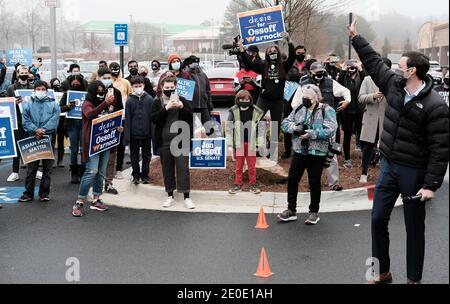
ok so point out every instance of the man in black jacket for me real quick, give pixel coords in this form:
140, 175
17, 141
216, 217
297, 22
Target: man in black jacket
414, 147
133, 68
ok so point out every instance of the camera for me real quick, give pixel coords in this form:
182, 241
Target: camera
333, 149
304, 128
233, 48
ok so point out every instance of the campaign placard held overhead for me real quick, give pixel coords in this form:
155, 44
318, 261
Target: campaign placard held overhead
186, 88
78, 98
262, 25
32, 149
208, 154
22, 56
7, 140
104, 133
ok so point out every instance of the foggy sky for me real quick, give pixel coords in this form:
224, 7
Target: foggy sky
196, 11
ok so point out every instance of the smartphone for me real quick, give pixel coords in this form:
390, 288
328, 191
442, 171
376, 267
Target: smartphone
110, 92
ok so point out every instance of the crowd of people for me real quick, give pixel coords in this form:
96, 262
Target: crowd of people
397, 116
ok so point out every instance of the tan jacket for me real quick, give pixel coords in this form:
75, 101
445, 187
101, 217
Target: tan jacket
124, 87
375, 111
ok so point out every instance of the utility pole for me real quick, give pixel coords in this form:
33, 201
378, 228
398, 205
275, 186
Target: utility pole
53, 4
349, 38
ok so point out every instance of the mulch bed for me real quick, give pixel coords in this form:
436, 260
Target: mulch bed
222, 180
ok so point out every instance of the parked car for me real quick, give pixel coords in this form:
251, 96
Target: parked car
436, 72
61, 70
74, 60
228, 64
222, 84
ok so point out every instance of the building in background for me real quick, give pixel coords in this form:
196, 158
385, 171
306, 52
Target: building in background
204, 40
433, 42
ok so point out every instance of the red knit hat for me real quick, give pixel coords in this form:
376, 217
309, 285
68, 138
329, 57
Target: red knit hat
172, 57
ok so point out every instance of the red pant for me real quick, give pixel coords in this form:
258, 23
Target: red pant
241, 155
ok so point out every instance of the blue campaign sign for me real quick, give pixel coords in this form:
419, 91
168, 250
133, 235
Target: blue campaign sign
121, 34
186, 88
208, 154
104, 133
22, 56
78, 98
32, 149
262, 25
289, 90
26, 97
10, 104
7, 140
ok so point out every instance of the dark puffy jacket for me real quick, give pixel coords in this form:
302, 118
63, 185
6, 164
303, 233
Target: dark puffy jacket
416, 134
202, 93
354, 85
138, 121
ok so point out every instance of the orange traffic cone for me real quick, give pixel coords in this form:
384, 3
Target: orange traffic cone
263, 267
262, 221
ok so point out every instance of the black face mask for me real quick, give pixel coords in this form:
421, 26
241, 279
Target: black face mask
446, 81
155, 67
352, 71
134, 72
144, 75
168, 93
115, 72
307, 103
23, 77
318, 78
101, 97
76, 88
245, 104
300, 58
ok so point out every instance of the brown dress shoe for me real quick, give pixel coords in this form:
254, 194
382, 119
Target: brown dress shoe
384, 278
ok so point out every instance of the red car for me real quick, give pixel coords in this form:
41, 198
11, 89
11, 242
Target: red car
222, 84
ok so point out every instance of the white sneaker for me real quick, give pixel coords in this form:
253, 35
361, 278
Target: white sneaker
14, 177
119, 175
39, 175
168, 202
363, 179
189, 204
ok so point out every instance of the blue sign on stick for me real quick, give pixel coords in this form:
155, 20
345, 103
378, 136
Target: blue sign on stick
22, 56
289, 90
186, 88
121, 34
262, 25
208, 154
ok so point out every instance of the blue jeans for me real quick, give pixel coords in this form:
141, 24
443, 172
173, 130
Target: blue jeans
75, 136
94, 175
394, 180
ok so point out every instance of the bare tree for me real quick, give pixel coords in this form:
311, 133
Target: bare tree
34, 22
93, 43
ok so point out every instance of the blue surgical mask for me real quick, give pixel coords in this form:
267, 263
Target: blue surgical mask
40, 94
107, 83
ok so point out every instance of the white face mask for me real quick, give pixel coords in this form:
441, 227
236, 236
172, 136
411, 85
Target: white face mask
176, 66
107, 83
40, 94
138, 91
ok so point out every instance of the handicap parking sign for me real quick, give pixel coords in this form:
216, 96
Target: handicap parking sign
121, 34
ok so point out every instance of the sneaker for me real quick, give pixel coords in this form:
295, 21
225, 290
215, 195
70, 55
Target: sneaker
44, 198
145, 181
99, 206
136, 180
189, 204
348, 164
111, 190
255, 190
363, 179
288, 216
77, 210
14, 177
235, 189
313, 219
60, 164
168, 202
39, 175
25, 198
119, 175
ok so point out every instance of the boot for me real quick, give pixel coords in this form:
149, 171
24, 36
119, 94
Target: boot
81, 170
74, 174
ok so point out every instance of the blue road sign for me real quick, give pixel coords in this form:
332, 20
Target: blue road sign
121, 34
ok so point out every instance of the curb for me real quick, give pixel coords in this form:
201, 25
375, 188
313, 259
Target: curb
149, 197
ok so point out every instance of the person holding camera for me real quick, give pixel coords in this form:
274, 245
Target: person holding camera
274, 73
414, 147
313, 126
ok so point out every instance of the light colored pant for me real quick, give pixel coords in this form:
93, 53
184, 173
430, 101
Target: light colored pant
333, 173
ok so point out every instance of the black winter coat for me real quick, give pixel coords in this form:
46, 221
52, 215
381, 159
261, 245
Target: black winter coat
416, 134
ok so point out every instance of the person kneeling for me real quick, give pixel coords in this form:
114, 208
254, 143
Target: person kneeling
313, 125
